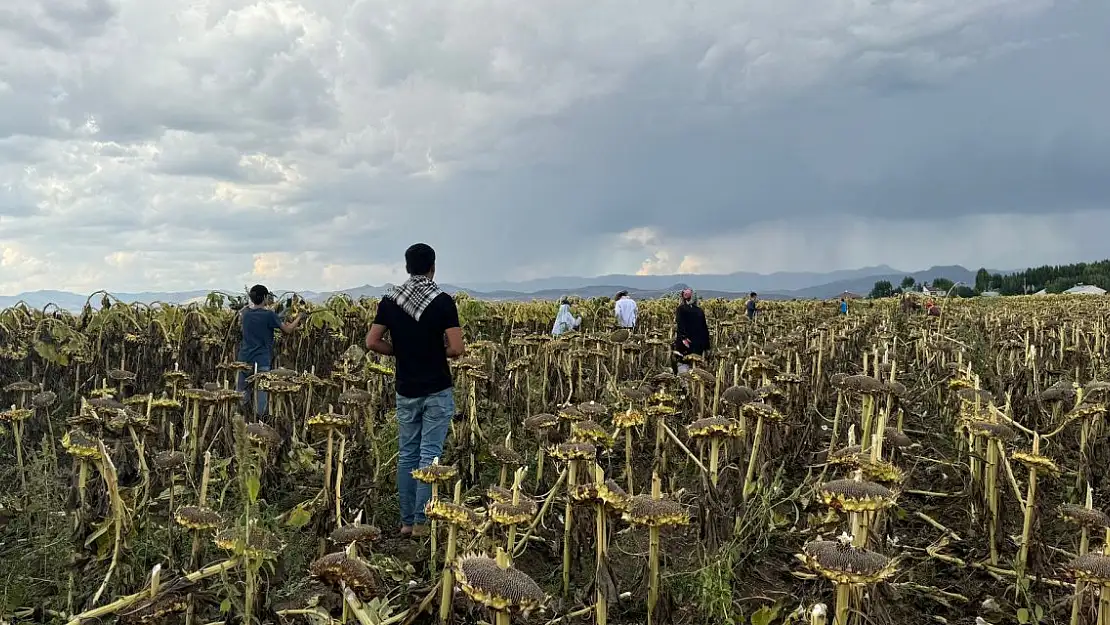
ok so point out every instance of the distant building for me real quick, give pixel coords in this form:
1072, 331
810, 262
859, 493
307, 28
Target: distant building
990, 294
849, 295
1041, 292
930, 291
1085, 289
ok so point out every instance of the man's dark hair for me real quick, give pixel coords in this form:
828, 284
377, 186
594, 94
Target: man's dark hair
621, 294
752, 294
419, 259
258, 294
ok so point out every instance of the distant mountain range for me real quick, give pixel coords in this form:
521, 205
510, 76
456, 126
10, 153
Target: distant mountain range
783, 285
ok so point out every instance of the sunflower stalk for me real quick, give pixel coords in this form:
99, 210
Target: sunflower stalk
601, 606
123, 602
1084, 545
1030, 510
749, 486
653, 553
568, 522
447, 583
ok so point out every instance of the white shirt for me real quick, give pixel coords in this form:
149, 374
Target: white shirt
625, 309
565, 321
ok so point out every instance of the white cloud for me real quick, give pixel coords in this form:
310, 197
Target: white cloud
176, 144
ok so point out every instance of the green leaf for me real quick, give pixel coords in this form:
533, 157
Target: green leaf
1038, 612
101, 530
764, 615
299, 517
1023, 616
253, 488
225, 606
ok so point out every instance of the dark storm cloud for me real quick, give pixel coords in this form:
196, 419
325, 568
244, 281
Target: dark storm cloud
987, 142
301, 139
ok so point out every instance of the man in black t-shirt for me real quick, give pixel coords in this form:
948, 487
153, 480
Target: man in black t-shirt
423, 325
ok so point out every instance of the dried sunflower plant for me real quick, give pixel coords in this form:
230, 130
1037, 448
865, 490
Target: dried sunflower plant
918, 468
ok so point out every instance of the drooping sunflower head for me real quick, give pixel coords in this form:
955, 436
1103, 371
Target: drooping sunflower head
856, 495
649, 512
508, 513
502, 589
329, 420
453, 514
630, 418
81, 445
574, 451
842, 563
714, 427
436, 473
355, 533
263, 435
199, 518
1093, 568
339, 568
590, 432
1084, 517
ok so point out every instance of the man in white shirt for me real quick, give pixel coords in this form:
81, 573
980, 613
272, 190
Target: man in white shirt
625, 310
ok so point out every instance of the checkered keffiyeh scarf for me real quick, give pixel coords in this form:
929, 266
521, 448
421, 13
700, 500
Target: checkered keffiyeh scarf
414, 295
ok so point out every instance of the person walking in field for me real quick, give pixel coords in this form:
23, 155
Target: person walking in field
752, 307
257, 345
625, 310
565, 321
424, 331
691, 331
843, 306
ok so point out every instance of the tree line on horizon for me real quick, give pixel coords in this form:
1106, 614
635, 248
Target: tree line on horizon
1051, 278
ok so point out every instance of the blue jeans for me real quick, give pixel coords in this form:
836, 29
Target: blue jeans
422, 424
263, 396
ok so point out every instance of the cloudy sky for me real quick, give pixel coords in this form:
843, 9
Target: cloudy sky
172, 144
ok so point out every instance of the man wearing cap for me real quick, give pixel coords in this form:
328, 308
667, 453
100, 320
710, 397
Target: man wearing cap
257, 346
691, 330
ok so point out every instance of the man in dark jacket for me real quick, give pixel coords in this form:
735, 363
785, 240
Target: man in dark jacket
691, 330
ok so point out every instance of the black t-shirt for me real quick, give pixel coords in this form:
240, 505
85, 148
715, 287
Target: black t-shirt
420, 347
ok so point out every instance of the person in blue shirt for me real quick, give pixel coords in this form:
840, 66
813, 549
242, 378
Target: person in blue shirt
752, 308
843, 306
257, 346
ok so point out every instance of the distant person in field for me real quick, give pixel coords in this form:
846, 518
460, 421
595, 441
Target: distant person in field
424, 331
257, 346
691, 330
752, 306
625, 310
565, 321
843, 306
932, 309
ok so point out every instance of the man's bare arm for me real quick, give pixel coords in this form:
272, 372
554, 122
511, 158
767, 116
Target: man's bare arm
290, 326
455, 346
376, 342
